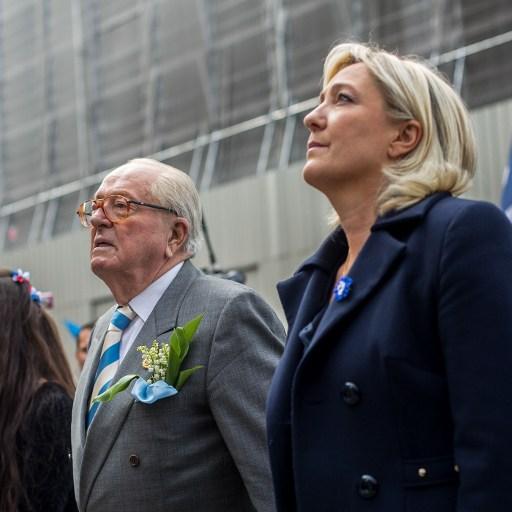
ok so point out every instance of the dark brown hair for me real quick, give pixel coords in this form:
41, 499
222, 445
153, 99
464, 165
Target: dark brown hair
31, 353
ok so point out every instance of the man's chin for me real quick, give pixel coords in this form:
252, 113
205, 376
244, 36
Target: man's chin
99, 265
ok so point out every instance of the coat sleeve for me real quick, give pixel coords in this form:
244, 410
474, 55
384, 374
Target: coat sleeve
475, 322
247, 344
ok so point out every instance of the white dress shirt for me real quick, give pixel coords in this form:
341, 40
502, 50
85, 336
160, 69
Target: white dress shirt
143, 304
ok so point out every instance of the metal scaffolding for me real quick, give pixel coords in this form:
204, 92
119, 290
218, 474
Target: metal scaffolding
217, 88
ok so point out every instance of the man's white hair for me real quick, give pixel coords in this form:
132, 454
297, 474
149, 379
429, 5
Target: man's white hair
174, 189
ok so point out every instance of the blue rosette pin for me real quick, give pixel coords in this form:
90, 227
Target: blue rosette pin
342, 288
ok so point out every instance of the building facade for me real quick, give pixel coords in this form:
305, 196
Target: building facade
217, 88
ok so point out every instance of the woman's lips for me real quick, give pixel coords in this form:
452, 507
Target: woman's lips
316, 145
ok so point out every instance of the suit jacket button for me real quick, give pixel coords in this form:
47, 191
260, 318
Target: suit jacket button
134, 460
368, 487
351, 394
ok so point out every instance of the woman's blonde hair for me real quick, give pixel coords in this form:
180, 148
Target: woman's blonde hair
445, 157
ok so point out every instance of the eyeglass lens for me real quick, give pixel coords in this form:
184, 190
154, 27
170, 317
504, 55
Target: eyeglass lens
115, 208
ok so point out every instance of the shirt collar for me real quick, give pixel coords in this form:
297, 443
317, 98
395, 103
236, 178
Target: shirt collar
144, 303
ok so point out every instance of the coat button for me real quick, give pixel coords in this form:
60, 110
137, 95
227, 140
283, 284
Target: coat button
134, 460
368, 487
351, 394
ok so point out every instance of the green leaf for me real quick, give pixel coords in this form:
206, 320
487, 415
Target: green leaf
186, 335
112, 391
185, 375
179, 344
184, 343
174, 341
191, 327
173, 364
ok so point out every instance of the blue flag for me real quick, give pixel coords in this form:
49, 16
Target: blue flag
506, 195
72, 327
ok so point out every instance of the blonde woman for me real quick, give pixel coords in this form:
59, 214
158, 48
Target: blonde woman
394, 391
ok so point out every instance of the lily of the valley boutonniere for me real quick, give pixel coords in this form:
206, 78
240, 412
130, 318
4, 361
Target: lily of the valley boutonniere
163, 362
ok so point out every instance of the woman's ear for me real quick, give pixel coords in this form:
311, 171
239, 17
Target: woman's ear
408, 137
178, 235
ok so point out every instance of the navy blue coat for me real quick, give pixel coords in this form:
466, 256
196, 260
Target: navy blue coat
399, 398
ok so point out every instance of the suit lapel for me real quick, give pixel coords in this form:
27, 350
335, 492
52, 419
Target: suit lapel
86, 382
83, 391
112, 415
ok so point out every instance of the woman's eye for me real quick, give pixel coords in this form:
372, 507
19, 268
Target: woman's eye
343, 98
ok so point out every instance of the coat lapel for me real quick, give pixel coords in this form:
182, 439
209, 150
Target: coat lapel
112, 415
379, 256
300, 295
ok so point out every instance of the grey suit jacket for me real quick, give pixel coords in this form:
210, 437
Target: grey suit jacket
203, 449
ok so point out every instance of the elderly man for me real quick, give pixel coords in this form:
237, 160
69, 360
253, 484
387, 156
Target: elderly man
203, 449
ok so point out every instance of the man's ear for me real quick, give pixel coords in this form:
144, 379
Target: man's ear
407, 138
178, 235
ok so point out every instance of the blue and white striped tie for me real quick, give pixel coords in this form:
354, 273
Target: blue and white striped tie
109, 360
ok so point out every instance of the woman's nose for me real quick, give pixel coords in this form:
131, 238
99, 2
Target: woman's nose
315, 120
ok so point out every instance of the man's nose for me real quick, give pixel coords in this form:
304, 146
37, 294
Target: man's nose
98, 218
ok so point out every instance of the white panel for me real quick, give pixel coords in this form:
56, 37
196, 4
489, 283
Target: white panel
493, 128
